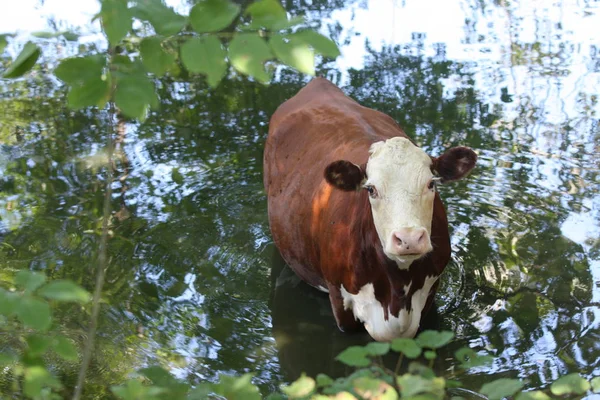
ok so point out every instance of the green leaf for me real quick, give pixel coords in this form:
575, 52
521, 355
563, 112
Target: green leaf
434, 339
8, 359
320, 43
469, 358
77, 70
70, 36
134, 94
64, 290
45, 35
38, 378
200, 392
65, 348
248, 53
355, 356
24, 61
3, 43
213, 15
294, 52
234, 388
374, 388
116, 20
37, 345
205, 55
535, 395
406, 346
416, 368
500, 388
94, 92
302, 387
34, 313
29, 280
596, 384
267, 14
154, 57
411, 385
323, 380
84, 75
570, 384
135, 390
158, 375
164, 20
429, 355
377, 349
8, 302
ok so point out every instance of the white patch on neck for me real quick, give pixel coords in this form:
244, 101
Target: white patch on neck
369, 310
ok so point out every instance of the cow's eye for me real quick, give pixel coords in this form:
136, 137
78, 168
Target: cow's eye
372, 191
431, 185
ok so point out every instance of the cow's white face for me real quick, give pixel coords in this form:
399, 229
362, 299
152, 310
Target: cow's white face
399, 178
401, 190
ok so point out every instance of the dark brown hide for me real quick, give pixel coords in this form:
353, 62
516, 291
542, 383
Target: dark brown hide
326, 235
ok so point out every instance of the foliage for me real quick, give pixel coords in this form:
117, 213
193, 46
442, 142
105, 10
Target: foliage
372, 381
215, 31
26, 303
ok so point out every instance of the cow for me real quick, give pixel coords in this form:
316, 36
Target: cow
354, 211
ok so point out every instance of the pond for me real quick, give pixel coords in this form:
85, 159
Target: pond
194, 281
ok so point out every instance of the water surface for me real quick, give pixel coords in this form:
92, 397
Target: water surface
195, 283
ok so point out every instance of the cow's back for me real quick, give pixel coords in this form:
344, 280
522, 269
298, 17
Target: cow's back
314, 128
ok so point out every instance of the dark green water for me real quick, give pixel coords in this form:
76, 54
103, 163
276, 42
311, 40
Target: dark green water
195, 283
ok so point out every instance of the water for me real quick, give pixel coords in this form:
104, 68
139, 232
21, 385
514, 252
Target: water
195, 283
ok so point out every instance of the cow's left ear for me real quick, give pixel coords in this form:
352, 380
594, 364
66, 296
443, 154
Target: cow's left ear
345, 175
454, 164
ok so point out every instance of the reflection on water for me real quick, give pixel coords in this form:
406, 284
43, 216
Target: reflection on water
195, 283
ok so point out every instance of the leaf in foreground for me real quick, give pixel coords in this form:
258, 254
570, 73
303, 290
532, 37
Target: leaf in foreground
213, 15
501, 388
155, 58
205, 55
294, 52
84, 75
237, 388
3, 43
34, 313
134, 390
164, 20
406, 346
434, 339
267, 13
320, 43
29, 280
570, 384
248, 53
355, 356
377, 349
65, 348
534, 395
24, 61
134, 94
116, 20
64, 290
38, 378
300, 388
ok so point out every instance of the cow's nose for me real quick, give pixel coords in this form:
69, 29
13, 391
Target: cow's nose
411, 241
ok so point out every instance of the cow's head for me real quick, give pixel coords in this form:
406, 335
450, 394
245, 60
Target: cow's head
401, 181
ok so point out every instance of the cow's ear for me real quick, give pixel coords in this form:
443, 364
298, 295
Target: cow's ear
345, 175
454, 164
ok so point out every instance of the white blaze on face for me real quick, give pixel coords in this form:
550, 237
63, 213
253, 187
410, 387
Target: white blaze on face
399, 174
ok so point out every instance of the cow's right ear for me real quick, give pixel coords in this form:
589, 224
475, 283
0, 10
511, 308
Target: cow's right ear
345, 175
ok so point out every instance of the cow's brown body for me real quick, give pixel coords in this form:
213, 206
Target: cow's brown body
327, 236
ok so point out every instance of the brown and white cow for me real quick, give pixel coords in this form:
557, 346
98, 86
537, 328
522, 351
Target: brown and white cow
354, 211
